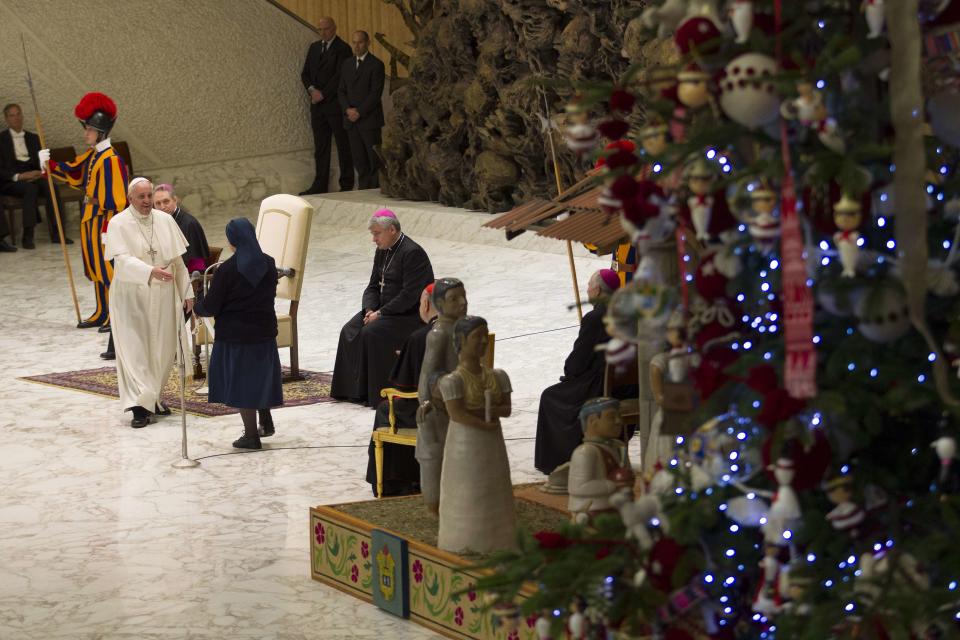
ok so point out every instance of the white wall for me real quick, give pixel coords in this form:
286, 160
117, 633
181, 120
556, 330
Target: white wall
208, 91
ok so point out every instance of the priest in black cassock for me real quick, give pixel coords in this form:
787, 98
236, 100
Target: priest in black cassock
558, 425
198, 251
389, 314
401, 471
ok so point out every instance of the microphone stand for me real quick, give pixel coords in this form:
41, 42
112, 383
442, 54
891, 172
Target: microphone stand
204, 280
185, 462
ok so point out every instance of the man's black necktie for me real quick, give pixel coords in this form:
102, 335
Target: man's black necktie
323, 47
358, 63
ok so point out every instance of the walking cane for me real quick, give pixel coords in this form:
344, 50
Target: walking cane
54, 201
185, 462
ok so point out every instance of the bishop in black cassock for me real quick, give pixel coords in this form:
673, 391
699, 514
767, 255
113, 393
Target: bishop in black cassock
558, 426
165, 199
197, 250
389, 314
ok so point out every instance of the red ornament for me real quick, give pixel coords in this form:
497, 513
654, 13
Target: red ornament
621, 159
664, 557
621, 100
624, 187
613, 129
552, 540
698, 35
811, 459
93, 102
616, 145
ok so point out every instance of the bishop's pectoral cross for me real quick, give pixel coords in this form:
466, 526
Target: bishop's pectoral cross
153, 256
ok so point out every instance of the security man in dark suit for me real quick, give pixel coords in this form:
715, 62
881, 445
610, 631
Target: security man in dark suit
321, 77
361, 90
20, 174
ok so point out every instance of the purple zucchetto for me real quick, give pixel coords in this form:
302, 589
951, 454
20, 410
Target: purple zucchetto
610, 278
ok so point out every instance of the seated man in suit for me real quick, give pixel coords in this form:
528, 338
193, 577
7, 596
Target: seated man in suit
20, 174
166, 200
360, 93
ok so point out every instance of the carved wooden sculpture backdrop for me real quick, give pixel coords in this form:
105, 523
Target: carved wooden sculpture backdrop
466, 129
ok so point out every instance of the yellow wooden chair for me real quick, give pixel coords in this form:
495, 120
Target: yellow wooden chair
404, 436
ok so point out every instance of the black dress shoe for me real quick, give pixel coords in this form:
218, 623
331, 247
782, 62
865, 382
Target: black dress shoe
28, 243
312, 191
162, 409
108, 355
247, 442
87, 324
6, 247
104, 328
266, 430
56, 240
141, 418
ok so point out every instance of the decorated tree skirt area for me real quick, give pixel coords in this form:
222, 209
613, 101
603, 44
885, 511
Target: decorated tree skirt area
382, 551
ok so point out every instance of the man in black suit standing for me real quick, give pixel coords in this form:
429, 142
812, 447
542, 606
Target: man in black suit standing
361, 90
321, 77
20, 174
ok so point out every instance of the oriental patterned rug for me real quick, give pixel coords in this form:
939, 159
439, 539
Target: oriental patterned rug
313, 389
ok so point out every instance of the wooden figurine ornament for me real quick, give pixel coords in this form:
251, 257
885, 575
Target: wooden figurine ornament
764, 224
653, 139
741, 17
669, 374
846, 514
440, 357
476, 494
785, 506
846, 215
805, 107
693, 90
768, 600
700, 202
600, 466
874, 13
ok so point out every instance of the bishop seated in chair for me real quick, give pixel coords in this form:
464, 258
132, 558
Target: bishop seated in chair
389, 313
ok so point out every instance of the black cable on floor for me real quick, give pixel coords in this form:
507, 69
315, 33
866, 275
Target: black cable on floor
536, 333
324, 446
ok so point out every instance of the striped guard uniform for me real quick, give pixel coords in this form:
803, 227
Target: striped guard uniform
102, 176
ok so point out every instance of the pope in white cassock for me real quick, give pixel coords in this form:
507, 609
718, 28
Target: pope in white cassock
150, 285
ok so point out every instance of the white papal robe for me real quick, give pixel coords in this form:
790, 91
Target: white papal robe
144, 311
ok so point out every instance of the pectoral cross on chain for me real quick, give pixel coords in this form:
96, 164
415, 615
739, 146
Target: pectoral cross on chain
153, 255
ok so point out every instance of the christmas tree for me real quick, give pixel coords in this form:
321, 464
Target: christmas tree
793, 197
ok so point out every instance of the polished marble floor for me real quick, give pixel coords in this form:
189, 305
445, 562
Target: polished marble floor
101, 538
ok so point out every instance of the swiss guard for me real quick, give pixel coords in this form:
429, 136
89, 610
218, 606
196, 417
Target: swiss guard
102, 177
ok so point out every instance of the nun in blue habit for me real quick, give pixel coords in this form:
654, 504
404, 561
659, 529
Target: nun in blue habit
245, 366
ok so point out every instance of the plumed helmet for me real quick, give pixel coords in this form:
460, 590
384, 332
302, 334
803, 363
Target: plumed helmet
97, 111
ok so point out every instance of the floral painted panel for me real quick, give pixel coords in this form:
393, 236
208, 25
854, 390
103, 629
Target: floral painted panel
341, 554
435, 598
